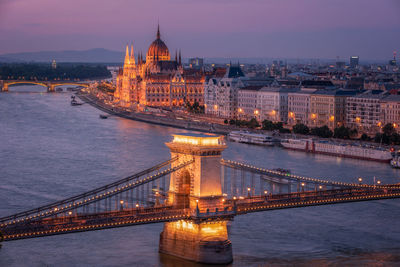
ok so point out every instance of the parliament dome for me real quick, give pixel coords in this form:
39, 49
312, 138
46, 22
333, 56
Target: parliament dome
158, 50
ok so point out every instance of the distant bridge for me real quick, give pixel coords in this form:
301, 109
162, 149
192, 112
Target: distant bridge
194, 193
50, 85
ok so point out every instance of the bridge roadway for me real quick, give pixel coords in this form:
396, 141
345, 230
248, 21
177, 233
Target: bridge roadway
231, 207
93, 196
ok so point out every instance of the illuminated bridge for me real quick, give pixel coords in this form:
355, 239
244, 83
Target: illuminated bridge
195, 193
50, 85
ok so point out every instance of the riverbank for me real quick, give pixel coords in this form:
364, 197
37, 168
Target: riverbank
181, 121
169, 120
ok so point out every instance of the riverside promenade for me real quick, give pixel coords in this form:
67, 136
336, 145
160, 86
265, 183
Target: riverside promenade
169, 119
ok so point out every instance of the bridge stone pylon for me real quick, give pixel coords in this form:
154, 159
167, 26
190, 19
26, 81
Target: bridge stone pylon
198, 189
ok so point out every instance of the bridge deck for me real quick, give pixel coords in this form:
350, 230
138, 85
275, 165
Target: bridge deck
232, 207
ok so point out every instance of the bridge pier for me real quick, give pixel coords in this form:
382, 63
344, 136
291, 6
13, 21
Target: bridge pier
51, 88
4, 86
197, 189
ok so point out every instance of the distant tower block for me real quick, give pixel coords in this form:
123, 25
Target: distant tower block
197, 188
54, 64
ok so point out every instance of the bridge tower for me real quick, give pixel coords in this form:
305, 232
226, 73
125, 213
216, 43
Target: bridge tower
3, 86
197, 189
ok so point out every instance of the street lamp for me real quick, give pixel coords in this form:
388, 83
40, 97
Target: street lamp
360, 180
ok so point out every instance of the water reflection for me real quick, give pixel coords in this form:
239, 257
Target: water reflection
51, 150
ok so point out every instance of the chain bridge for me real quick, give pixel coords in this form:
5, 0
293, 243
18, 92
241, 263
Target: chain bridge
194, 193
50, 85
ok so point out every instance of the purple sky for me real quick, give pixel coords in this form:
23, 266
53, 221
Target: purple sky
207, 28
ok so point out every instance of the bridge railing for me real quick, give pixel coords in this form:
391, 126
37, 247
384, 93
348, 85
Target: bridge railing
140, 182
282, 177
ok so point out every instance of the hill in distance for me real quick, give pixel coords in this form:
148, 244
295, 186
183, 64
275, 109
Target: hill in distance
96, 55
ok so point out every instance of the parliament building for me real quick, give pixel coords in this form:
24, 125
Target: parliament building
156, 80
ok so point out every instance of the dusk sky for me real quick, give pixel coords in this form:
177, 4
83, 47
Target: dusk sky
207, 28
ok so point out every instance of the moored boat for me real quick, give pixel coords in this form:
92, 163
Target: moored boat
365, 152
251, 138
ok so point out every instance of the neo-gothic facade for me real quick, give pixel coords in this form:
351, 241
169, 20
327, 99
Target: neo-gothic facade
156, 80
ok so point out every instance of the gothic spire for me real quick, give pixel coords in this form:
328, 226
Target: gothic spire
180, 57
158, 31
132, 58
176, 55
127, 55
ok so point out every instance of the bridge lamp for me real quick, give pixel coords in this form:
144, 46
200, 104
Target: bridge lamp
378, 182
303, 184
122, 202
320, 187
70, 213
137, 205
360, 180
248, 189
223, 200
265, 192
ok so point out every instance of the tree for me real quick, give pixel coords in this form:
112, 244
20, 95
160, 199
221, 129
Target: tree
395, 139
226, 121
382, 138
365, 137
353, 132
253, 123
388, 129
284, 130
300, 128
341, 132
270, 126
323, 131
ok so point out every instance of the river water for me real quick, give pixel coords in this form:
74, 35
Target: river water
50, 150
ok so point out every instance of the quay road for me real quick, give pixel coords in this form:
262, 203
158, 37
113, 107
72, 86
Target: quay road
70, 222
170, 119
196, 122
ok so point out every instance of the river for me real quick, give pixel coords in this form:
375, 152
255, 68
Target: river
50, 150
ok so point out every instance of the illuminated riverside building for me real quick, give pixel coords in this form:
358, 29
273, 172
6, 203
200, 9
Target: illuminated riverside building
264, 103
390, 111
156, 80
363, 111
222, 94
328, 107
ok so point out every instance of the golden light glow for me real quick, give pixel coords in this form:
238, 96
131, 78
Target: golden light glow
273, 112
379, 124
332, 118
240, 110
394, 125
313, 116
358, 119
198, 141
213, 229
291, 114
215, 107
256, 112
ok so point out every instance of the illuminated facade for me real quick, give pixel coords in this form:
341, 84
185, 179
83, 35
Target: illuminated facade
197, 188
363, 111
156, 80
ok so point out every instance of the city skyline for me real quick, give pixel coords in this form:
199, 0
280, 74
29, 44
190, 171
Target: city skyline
289, 29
